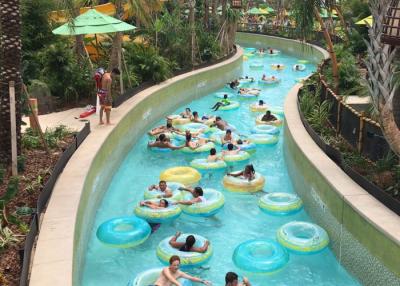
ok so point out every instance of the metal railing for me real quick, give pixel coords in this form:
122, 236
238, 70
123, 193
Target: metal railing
43, 200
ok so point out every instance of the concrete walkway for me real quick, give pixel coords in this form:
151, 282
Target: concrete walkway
69, 118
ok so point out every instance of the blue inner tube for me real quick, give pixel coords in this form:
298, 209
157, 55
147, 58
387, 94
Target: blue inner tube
248, 147
302, 237
123, 232
265, 129
215, 201
260, 256
280, 203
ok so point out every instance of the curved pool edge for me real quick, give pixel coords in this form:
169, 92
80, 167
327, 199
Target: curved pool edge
364, 233
59, 256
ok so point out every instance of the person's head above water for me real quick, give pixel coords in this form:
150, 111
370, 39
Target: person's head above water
239, 141
231, 279
268, 113
213, 151
249, 169
230, 146
195, 114
261, 102
161, 137
228, 132
169, 125
198, 191
162, 185
225, 96
188, 136
190, 241
163, 203
218, 118
187, 109
174, 263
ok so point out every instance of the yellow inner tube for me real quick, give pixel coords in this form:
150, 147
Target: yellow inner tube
183, 175
275, 67
277, 122
241, 185
258, 108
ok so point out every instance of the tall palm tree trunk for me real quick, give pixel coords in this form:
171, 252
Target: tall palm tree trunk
79, 43
116, 50
192, 4
10, 70
206, 14
335, 72
380, 65
214, 8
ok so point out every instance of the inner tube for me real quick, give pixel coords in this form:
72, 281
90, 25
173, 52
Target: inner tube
241, 185
194, 127
173, 186
167, 214
249, 50
221, 94
231, 106
216, 136
261, 54
188, 259
123, 232
178, 119
269, 81
276, 110
263, 139
302, 237
301, 67
303, 61
260, 256
241, 156
274, 53
248, 147
203, 148
214, 202
255, 107
275, 67
165, 150
256, 65
265, 129
203, 164
149, 277
247, 95
280, 203
277, 122
183, 175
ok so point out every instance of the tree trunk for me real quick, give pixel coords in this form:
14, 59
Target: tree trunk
116, 50
79, 43
192, 4
10, 70
223, 10
389, 126
335, 71
206, 14
214, 8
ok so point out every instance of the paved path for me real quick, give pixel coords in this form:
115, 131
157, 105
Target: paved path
67, 118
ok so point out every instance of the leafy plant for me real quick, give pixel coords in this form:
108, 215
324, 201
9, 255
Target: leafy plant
387, 163
12, 189
24, 228
21, 163
7, 236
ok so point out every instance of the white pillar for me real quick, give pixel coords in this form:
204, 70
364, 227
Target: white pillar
13, 126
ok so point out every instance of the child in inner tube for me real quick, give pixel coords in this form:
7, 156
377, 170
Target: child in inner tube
188, 245
248, 173
162, 204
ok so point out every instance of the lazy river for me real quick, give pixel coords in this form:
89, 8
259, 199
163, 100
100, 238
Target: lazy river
240, 220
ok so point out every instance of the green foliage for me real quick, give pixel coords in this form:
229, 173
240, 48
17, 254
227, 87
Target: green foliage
66, 77
357, 43
7, 237
21, 163
36, 34
12, 189
146, 63
387, 163
31, 139
315, 112
355, 160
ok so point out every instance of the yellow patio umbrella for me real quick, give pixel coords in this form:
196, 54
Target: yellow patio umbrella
366, 20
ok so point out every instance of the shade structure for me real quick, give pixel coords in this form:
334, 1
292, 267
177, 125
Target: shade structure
366, 20
391, 26
254, 11
93, 22
263, 11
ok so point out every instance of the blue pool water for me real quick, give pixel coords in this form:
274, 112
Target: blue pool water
240, 219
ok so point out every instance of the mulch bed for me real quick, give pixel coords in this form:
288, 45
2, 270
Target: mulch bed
38, 168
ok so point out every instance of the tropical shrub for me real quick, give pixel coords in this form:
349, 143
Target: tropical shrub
146, 63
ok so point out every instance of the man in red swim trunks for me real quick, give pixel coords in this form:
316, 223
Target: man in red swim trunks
104, 94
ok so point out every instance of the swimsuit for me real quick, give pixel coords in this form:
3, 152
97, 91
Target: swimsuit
105, 100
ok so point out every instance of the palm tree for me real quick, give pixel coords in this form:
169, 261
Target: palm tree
304, 12
380, 75
228, 29
10, 70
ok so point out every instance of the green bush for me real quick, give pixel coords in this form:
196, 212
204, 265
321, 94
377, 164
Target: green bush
21, 163
66, 77
146, 63
12, 189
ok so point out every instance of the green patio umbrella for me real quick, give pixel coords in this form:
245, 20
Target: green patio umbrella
366, 20
270, 9
254, 11
92, 22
